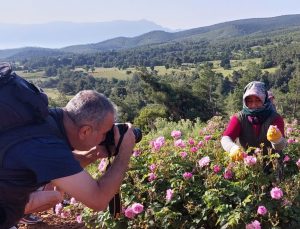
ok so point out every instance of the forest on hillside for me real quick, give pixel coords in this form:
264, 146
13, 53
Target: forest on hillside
203, 93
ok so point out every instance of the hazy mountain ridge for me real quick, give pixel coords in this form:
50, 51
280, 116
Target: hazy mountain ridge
226, 30
62, 34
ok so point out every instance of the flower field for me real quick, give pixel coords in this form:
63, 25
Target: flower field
180, 177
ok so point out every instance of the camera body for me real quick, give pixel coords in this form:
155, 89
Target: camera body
110, 138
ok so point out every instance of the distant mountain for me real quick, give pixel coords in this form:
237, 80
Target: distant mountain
219, 31
263, 27
62, 34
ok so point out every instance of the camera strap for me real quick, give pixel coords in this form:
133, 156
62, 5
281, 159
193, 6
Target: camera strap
115, 203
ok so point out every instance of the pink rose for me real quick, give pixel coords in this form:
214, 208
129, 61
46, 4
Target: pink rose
129, 213
179, 143
261, 210
289, 130
257, 150
187, 175
137, 208
194, 149
250, 160
136, 153
157, 143
152, 177
191, 141
58, 208
200, 144
169, 194
102, 165
183, 154
286, 158
204, 162
207, 137
216, 168
152, 167
176, 134
298, 163
276, 193
253, 225
79, 219
228, 174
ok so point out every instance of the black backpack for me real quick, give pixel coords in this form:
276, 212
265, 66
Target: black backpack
21, 102
24, 114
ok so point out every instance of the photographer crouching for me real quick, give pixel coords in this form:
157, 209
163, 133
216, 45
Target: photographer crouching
59, 156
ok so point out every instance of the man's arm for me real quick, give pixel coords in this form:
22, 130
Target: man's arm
96, 194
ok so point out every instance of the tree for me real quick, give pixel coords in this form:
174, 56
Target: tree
147, 116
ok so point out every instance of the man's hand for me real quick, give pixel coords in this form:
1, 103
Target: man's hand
274, 135
128, 141
87, 157
236, 153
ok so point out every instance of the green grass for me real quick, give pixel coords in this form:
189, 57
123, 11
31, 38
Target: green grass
110, 73
31, 75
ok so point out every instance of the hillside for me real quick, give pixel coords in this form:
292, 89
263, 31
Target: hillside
224, 30
239, 30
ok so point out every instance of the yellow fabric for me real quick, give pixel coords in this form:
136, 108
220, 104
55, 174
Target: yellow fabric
273, 134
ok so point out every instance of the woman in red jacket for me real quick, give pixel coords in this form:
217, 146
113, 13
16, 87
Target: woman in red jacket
255, 124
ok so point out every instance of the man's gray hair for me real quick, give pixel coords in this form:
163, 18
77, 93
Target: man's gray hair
89, 107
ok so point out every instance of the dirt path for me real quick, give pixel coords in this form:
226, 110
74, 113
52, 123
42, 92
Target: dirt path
51, 221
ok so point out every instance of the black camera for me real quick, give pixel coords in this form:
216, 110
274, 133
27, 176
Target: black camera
110, 139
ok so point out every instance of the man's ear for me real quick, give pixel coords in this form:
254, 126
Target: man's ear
85, 131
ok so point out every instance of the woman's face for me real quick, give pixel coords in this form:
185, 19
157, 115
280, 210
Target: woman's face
253, 102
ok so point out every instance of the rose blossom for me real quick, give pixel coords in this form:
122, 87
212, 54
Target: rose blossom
204, 162
152, 177
137, 208
183, 154
79, 219
289, 130
158, 143
228, 174
136, 153
187, 175
253, 225
216, 168
298, 163
129, 213
286, 158
191, 141
152, 167
194, 149
102, 165
65, 214
58, 208
200, 144
276, 193
169, 194
176, 134
179, 143
207, 137
250, 160
261, 210
257, 150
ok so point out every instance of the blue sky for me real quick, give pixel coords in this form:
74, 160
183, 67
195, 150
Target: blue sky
174, 14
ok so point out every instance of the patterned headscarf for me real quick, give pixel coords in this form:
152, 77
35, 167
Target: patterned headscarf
258, 89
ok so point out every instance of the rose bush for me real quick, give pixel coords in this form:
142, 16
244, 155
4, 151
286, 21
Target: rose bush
180, 177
